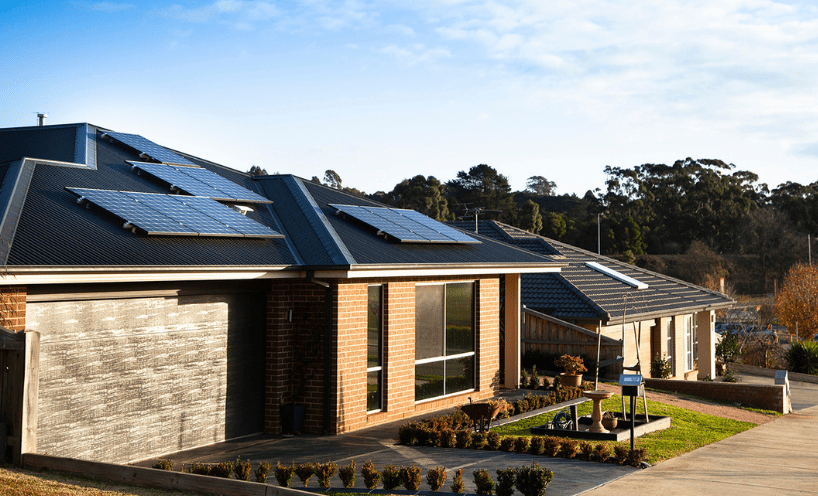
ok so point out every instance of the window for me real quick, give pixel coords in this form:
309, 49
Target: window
374, 350
671, 343
444, 339
695, 320
688, 342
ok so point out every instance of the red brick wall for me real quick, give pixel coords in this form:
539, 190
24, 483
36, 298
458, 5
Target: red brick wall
769, 397
13, 307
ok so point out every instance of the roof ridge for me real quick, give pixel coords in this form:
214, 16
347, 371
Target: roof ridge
13, 192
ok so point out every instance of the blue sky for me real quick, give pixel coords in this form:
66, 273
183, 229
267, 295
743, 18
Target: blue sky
382, 91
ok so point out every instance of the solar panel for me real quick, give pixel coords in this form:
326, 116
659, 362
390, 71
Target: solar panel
229, 188
200, 182
176, 214
149, 148
404, 225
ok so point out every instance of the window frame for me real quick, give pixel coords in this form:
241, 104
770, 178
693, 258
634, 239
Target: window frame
378, 368
671, 345
688, 333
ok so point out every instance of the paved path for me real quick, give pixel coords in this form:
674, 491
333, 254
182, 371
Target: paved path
777, 458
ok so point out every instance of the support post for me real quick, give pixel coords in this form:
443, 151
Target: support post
513, 318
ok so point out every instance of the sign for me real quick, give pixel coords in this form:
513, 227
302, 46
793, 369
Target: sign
630, 379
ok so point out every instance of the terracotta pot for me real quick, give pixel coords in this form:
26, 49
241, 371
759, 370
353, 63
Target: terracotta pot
570, 380
610, 423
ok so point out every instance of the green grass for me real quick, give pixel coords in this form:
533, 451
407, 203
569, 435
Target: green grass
689, 430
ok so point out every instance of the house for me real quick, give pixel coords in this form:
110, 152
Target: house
625, 304
155, 301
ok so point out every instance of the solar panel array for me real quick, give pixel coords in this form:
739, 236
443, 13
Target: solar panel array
407, 226
176, 215
200, 182
149, 148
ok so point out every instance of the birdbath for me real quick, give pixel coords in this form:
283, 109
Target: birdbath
596, 416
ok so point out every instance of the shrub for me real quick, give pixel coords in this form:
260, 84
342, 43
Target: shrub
635, 457
243, 469
524, 379
263, 469
537, 445
436, 477
493, 440
163, 464
371, 475
572, 365
532, 481
545, 382
223, 470
621, 453
200, 468
534, 382
325, 472
284, 474
305, 471
507, 444
410, 477
730, 376
391, 477
728, 348
586, 450
505, 481
551, 445
557, 383
568, 448
602, 452
802, 357
479, 440
347, 474
457, 482
448, 438
521, 444
660, 367
483, 481
463, 439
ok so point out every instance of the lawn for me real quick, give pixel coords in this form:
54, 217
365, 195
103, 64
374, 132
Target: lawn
18, 482
689, 430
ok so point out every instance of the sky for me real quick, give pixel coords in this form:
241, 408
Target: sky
383, 91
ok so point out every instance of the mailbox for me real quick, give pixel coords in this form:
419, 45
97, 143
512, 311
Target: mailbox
631, 384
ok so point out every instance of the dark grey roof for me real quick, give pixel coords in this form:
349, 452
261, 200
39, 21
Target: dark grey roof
336, 238
580, 292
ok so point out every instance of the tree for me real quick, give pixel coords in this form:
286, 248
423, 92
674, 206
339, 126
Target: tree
426, 195
797, 302
332, 179
540, 186
483, 186
257, 171
530, 218
554, 226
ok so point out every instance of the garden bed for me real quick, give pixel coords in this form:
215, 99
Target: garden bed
621, 433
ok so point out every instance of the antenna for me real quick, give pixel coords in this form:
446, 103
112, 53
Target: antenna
476, 212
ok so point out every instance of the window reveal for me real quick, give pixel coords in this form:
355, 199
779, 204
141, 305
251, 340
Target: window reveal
374, 349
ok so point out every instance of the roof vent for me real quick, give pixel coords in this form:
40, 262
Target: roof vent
41, 116
630, 281
242, 209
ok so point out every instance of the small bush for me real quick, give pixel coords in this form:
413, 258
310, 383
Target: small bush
532, 481
163, 464
802, 357
200, 468
545, 382
325, 473
537, 445
505, 481
602, 452
730, 376
660, 367
243, 469
448, 438
635, 457
457, 482
463, 439
494, 440
507, 444
524, 379
347, 474
223, 470
305, 471
621, 453
284, 474
371, 475
479, 440
391, 477
586, 451
551, 446
521, 444
568, 448
483, 482
436, 477
534, 382
728, 348
410, 477
557, 383
263, 469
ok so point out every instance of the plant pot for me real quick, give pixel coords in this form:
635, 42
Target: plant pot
292, 417
570, 380
610, 423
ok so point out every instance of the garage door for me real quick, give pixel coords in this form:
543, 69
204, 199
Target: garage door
132, 378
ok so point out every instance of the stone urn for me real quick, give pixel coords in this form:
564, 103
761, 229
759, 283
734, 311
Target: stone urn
610, 423
570, 380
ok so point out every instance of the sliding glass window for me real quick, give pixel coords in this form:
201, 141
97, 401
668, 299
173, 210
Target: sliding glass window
444, 339
374, 350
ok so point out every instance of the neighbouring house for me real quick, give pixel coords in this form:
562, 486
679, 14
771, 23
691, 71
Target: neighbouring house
154, 301
624, 303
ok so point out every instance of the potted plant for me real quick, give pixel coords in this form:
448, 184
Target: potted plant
574, 367
609, 420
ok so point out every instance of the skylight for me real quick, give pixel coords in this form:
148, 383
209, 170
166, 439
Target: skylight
630, 281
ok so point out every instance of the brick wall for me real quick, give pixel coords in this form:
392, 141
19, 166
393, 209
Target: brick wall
759, 396
13, 307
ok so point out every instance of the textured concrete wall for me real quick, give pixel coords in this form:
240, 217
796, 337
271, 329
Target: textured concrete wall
133, 378
770, 397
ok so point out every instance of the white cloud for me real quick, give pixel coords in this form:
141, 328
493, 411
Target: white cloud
238, 14
415, 54
108, 7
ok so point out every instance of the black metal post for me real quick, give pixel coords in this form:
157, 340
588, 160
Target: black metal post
633, 419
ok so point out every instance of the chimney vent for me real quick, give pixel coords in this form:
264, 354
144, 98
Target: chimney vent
41, 118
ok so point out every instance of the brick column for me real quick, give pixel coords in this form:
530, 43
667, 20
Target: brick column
512, 331
399, 348
707, 344
488, 337
349, 358
13, 307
